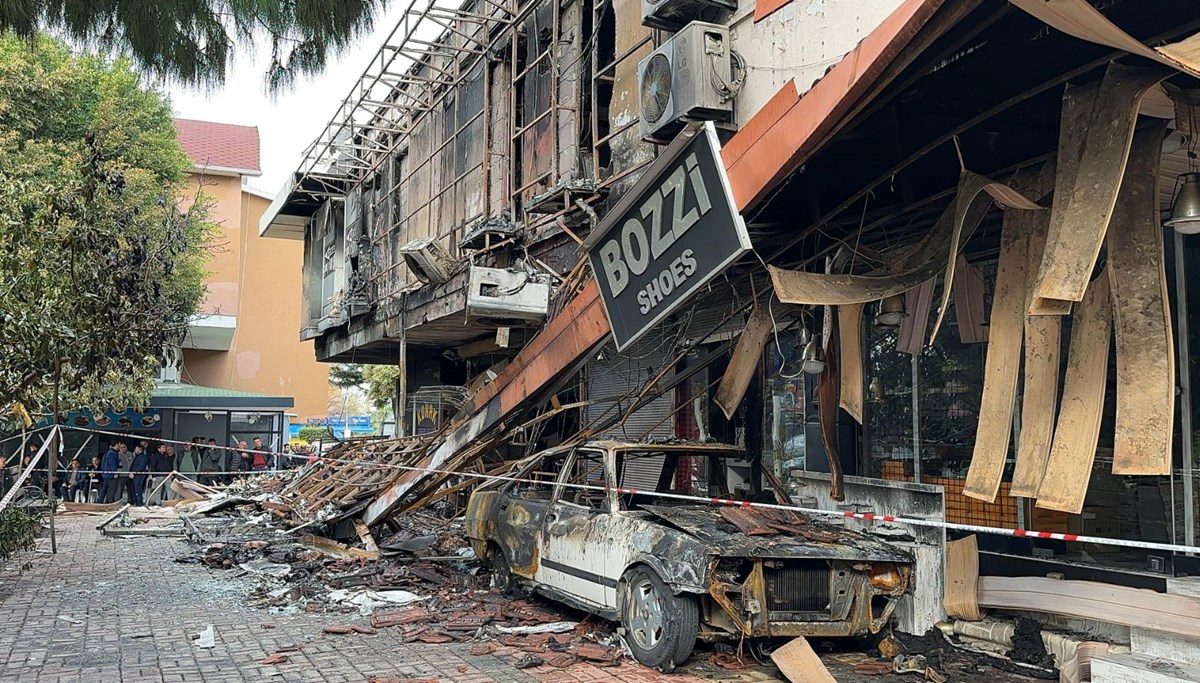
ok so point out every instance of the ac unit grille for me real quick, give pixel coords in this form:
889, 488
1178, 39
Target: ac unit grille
656, 88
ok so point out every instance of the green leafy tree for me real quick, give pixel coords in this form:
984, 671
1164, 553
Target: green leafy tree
381, 384
102, 244
310, 434
346, 375
193, 41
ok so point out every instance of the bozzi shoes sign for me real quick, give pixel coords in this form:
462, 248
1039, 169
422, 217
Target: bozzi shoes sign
669, 235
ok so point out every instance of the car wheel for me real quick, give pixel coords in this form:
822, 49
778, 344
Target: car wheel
502, 576
660, 627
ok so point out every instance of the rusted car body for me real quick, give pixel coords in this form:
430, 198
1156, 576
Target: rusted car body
579, 546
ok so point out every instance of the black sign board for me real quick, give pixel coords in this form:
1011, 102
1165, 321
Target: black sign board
672, 233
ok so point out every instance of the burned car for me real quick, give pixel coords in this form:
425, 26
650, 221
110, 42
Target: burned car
587, 525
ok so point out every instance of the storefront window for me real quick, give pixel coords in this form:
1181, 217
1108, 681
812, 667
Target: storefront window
786, 411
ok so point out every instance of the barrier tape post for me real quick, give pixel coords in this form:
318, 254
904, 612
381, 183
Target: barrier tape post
896, 519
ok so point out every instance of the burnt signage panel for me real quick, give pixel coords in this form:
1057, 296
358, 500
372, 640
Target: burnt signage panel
668, 236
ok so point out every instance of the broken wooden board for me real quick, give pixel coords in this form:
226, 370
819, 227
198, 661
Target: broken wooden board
968, 302
918, 301
1105, 602
1141, 318
1083, 207
1003, 361
800, 663
915, 265
1069, 467
364, 535
332, 548
1082, 20
960, 595
746, 356
112, 517
850, 361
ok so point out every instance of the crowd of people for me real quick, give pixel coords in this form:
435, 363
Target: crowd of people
135, 471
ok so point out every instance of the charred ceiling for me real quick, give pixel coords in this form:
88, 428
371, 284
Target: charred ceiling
986, 93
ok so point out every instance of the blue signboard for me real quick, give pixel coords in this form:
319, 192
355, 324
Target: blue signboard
359, 424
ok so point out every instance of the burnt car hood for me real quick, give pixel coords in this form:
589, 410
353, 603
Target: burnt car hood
704, 522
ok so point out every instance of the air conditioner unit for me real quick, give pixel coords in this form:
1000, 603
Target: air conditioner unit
499, 297
671, 15
682, 81
428, 260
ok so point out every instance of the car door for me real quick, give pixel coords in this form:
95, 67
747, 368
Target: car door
574, 538
522, 508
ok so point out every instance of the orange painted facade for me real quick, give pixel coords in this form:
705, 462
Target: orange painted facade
257, 281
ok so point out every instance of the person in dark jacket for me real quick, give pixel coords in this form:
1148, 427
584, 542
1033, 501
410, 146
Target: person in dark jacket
76, 483
93, 481
137, 476
108, 473
161, 465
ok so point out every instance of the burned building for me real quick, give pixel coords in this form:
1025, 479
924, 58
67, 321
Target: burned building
950, 207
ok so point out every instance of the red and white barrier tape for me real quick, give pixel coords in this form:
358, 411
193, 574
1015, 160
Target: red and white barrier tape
912, 521
26, 472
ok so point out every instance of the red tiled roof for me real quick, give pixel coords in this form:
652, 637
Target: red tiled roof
222, 145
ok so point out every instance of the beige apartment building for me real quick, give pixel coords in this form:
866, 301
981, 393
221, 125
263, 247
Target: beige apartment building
245, 341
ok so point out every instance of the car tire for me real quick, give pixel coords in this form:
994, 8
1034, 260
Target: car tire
660, 627
502, 576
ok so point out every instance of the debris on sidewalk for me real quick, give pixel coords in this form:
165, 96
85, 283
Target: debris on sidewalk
207, 639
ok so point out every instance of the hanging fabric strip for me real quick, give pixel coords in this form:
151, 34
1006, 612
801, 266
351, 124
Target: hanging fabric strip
1080, 19
850, 361
1043, 348
1083, 204
1145, 351
1069, 467
1003, 364
935, 252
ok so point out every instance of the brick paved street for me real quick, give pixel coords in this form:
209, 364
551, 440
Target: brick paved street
113, 609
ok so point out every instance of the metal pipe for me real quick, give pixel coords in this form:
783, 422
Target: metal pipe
916, 420
1185, 396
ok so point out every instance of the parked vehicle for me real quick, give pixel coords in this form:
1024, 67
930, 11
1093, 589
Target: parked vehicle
672, 571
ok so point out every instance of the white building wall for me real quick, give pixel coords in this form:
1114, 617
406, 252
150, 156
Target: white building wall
800, 40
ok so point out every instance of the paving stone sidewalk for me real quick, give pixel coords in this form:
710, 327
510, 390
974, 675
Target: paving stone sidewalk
112, 609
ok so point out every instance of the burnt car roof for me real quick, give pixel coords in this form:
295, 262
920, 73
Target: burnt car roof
704, 523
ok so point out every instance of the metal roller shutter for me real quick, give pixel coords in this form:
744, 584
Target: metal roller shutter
614, 383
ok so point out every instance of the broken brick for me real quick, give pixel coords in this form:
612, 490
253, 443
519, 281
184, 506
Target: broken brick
402, 617
598, 653
339, 629
276, 659
561, 660
480, 649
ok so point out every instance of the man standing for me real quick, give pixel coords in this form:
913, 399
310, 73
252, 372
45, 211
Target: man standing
189, 460
160, 465
137, 476
125, 457
261, 462
108, 474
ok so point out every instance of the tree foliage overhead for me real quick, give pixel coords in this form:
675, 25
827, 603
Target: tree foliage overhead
102, 245
193, 41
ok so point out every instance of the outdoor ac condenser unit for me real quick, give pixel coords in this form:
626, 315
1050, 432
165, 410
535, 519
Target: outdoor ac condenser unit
681, 81
505, 297
428, 260
671, 15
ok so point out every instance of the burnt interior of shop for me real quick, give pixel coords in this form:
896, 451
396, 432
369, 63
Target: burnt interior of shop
987, 90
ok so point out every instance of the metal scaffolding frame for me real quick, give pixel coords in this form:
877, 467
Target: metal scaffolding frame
408, 76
